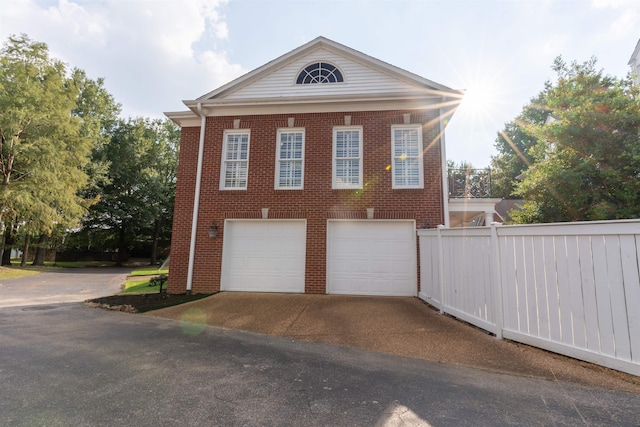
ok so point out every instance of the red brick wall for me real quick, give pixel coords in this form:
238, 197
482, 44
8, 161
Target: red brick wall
317, 202
183, 211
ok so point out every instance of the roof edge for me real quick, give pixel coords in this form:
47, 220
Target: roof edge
321, 41
183, 118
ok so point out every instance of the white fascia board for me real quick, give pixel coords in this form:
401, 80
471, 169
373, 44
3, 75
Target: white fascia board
340, 49
184, 118
318, 106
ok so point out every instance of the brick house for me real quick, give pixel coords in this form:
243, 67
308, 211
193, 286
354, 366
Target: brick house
310, 174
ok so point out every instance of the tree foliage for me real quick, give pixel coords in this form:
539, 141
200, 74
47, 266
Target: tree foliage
136, 198
578, 147
513, 145
51, 118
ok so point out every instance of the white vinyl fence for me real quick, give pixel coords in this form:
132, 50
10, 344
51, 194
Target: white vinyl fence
571, 288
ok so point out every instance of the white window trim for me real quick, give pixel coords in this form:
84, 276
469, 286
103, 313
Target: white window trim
224, 156
278, 160
334, 180
420, 157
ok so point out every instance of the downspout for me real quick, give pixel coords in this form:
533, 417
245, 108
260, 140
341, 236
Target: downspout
445, 173
196, 201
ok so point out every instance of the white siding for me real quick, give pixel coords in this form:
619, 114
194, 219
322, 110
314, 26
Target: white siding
358, 80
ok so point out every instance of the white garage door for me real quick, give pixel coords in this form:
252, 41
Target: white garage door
263, 256
371, 258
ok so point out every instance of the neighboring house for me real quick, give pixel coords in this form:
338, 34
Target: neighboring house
634, 63
310, 174
505, 208
470, 204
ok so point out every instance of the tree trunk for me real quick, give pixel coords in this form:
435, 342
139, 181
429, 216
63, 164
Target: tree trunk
121, 246
154, 247
8, 242
41, 250
25, 250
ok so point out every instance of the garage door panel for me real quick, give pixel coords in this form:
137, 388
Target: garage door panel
403, 268
371, 258
264, 256
341, 285
287, 246
383, 267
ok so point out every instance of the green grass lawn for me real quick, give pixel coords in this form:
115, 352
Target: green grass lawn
12, 273
141, 287
138, 287
148, 271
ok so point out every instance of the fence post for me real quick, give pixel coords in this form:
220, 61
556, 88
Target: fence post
496, 282
441, 267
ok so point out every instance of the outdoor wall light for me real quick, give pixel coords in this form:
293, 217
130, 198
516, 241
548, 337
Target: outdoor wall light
213, 231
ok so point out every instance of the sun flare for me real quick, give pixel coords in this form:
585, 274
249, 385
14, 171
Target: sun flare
479, 97
482, 97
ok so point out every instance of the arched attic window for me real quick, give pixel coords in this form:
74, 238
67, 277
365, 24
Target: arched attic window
319, 72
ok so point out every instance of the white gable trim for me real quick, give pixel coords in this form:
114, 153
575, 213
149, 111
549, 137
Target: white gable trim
417, 92
322, 42
634, 56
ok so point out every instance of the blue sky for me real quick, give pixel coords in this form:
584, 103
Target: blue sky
155, 53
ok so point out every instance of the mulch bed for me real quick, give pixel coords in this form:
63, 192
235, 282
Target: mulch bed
139, 303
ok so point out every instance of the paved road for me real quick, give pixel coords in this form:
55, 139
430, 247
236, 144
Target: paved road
67, 364
62, 285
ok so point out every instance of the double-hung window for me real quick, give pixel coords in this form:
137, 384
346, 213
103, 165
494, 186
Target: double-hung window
347, 157
290, 159
235, 160
406, 155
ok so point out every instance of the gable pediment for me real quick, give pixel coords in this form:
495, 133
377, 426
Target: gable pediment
358, 79
365, 83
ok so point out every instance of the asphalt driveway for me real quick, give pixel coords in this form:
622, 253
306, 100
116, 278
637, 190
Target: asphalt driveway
309, 364
72, 365
62, 285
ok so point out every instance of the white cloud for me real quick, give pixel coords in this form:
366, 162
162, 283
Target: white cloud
545, 50
626, 22
144, 49
82, 23
222, 71
601, 4
626, 26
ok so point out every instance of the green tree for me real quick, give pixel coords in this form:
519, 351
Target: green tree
42, 150
137, 197
585, 154
161, 180
97, 112
513, 145
50, 120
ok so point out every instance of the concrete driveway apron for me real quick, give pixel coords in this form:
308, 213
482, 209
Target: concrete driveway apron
395, 325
